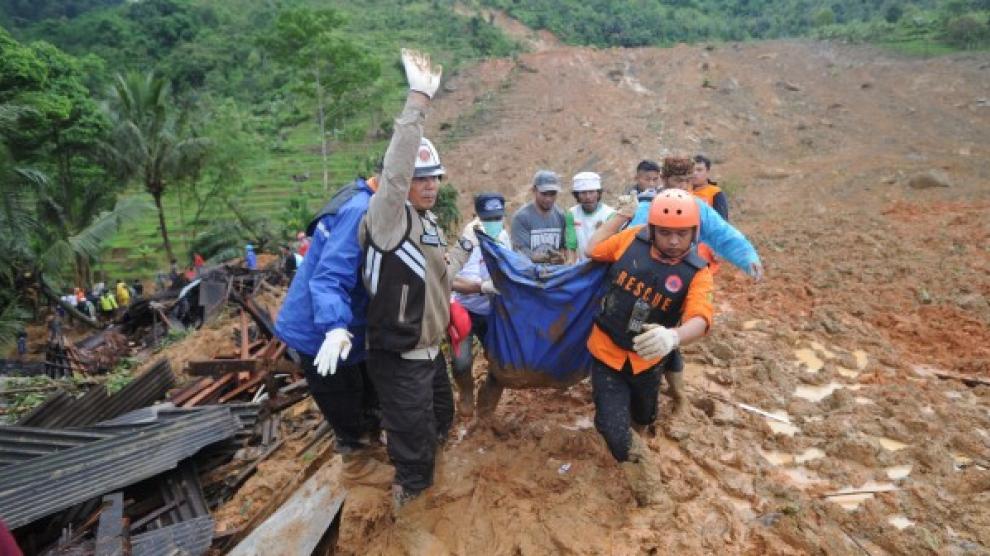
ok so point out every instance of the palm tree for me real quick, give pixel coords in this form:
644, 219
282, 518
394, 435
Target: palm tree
39, 235
146, 143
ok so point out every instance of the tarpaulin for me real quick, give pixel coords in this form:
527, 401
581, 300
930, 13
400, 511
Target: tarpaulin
540, 323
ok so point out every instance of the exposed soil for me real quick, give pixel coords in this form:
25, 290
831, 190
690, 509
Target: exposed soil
870, 286
815, 144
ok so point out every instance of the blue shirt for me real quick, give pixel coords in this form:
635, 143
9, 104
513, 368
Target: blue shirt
326, 292
727, 242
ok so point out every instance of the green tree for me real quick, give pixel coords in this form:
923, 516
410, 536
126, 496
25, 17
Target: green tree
148, 144
341, 71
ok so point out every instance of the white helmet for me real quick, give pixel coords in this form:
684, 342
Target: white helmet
587, 181
428, 160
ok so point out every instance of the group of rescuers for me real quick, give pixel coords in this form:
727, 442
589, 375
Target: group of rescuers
371, 302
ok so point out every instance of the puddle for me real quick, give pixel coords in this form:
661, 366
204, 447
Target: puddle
861, 359
816, 393
743, 508
850, 498
847, 373
783, 425
777, 458
809, 455
822, 350
783, 458
960, 462
888, 444
898, 472
809, 359
900, 522
801, 477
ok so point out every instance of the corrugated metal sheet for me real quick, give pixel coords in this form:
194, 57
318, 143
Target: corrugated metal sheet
143, 391
61, 410
54, 404
39, 487
19, 444
193, 537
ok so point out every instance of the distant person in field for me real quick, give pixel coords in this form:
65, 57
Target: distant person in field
587, 215
539, 227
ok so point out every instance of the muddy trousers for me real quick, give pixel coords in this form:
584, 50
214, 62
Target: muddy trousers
347, 400
622, 397
417, 411
464, 360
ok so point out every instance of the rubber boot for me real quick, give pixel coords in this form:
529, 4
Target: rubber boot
465, 393
643, 475
362, 468
676, 383
488, 396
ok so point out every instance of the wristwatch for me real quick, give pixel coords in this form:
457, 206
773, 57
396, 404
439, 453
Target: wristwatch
465, 244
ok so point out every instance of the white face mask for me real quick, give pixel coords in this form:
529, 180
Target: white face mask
492, 227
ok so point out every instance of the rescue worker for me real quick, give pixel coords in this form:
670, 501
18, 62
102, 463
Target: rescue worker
108, 304
123, 294
704, 187
323, 319
538, 228
408, 279
472, 287
658, 297
250, 258
586, 216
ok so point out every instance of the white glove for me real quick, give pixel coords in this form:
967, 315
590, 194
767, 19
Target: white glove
656, 342
756, 271
422, 75
628, 205
335, 347
468, 232
488, 288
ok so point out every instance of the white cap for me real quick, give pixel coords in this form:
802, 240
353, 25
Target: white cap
587, 181
428, 160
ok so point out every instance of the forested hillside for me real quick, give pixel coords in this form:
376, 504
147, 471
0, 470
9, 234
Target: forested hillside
919, 23
132, 133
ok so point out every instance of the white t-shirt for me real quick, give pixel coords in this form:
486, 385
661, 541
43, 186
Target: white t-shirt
585, 224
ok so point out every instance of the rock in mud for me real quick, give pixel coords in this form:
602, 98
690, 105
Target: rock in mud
930, 179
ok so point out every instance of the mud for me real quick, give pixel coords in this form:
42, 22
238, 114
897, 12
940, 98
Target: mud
867, 281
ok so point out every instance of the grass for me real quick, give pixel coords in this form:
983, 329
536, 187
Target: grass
268, 186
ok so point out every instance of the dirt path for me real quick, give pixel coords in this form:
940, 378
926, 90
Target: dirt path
871, 284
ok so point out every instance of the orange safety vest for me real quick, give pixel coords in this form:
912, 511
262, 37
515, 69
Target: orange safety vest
707, 194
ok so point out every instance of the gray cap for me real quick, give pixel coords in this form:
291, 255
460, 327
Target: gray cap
546, 180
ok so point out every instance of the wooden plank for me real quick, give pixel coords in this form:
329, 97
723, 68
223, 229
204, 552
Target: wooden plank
110, 533
209, 391
244, 387
218, 367
245, 347
297, 526
321, 461
183, 394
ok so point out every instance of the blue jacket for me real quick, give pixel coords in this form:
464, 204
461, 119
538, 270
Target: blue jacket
327, 292
722, 237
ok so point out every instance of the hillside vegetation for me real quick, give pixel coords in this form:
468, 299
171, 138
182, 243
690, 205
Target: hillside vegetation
226, 95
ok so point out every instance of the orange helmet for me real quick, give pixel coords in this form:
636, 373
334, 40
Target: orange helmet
673, 208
